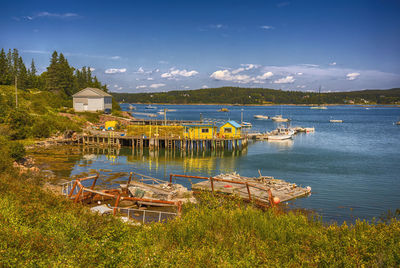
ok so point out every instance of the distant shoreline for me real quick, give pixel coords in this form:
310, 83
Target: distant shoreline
225, 104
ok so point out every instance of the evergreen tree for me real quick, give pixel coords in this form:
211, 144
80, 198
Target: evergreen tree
52, 73
32, 78
65, 76
3, 68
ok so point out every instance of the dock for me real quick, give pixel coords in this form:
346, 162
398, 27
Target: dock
261, 189
118, 139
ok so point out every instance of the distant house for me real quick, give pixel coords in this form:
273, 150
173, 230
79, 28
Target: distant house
92, 99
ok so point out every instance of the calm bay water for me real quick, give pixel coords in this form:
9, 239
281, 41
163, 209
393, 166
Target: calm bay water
352, 167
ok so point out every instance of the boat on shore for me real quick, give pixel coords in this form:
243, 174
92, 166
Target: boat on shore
279, 118
261, 117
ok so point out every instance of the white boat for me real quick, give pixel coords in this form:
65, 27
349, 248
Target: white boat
131, 107
161, 112
246, 124
281, 133
336, 121
318, 107
261, 117
149, 107
279, 118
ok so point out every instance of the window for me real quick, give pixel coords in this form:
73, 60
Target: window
205, 130
227, 129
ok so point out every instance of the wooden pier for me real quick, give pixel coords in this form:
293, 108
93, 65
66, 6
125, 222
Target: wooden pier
118, 139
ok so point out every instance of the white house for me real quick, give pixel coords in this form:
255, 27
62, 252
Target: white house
92, 99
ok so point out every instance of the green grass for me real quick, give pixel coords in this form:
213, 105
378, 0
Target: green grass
41, 229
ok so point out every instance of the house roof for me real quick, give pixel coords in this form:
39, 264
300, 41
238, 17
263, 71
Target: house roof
233, 123
91, 92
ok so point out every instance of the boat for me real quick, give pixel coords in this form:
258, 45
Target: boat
336, 121
223, 110
161, 112
319, 107
281, 133
279, 118
261, 117
149, 107
246, 124
131, 107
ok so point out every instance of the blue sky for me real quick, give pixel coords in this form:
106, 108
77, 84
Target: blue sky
146, 46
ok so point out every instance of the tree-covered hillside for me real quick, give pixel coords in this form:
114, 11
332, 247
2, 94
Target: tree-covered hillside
60, 77
236, 95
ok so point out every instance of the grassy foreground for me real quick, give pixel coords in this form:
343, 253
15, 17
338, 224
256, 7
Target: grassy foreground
41, 229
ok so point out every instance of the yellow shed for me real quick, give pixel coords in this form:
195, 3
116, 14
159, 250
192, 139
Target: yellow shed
200, 131
230, 129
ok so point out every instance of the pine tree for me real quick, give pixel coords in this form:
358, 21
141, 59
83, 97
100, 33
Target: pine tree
22, 74
3, 68
32, 78
66, 76
52, 73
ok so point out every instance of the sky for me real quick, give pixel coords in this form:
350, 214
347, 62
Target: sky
153, 46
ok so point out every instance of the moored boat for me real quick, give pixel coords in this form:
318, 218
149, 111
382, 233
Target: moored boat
261, 117
279, 118
336, 121
223, 110
149, 107
281, 133
246, 124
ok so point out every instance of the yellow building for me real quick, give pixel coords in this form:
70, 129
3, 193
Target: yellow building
200, 131
230, 129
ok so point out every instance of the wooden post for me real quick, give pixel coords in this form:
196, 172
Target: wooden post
212, 184
116, 204
72, 190
170, 179
130, 178
248, 190
94, 182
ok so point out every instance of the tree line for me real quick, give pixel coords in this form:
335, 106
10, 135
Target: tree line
59, 77
243, 96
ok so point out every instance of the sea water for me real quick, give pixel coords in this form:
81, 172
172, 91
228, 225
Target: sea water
352, 167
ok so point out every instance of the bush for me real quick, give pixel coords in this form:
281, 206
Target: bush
17, 151
41, 129
5, 160
19, 121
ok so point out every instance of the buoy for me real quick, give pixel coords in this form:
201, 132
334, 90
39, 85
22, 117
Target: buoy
276, 200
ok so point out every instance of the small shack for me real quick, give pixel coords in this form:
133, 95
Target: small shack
92, 99
200, 131
230, 129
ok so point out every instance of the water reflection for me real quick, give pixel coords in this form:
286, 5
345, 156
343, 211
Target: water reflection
281, 145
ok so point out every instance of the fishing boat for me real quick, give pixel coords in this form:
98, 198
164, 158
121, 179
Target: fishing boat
281, 133
279, 118
261, 117
223, 110
149, 107
336, 121
246, 124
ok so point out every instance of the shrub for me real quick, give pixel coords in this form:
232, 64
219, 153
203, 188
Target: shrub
41, 129
19, 121
17, 151
5, 160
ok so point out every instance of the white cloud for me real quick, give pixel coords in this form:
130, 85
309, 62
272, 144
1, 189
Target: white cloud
157, 85
267, 27
150, 78
286, 80
265, 75
245, 67
352, 76
141, 86
204, 86
115, 57
114, 71
299, 74
163, 62
187, 87
46, 14
141, 70
175, 72
332, 63
92, 69
115, 85
301, 86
